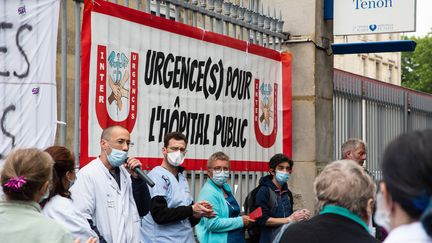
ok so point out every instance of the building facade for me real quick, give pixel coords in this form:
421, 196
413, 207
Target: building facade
384, 67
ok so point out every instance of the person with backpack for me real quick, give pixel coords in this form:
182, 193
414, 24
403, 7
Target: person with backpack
275, 200
228, 225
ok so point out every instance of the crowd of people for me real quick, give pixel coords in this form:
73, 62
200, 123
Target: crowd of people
47, 200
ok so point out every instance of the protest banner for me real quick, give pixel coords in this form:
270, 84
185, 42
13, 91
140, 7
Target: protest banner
153, 75
28, 100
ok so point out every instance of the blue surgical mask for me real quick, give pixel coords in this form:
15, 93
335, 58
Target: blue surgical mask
282, 177
117, 157
219, 178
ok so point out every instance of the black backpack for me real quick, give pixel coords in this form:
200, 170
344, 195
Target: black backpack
249, 205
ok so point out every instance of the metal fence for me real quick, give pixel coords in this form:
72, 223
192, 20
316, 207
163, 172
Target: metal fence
376, 112
230, 18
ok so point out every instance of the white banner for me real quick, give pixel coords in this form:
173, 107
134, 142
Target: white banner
28, 105
355, 17
154, 76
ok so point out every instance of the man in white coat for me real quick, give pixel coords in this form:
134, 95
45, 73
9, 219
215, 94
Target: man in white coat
103, 190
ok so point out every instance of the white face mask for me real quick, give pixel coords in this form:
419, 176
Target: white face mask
175, 158
71, 182
382, 215
45, 196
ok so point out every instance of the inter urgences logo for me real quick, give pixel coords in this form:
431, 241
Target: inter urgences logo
265, 113
116, 88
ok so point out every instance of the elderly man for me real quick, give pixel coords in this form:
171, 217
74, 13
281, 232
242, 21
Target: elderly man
172, 212
107, 191
345, 194
354, 149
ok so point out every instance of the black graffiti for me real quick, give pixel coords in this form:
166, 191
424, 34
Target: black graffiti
8, 109
3, 49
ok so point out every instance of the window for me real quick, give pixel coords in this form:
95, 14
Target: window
378, 70
390, 74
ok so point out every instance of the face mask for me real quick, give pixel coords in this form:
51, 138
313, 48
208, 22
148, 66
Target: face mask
45, 196
117, 157
281, 177
382, 216
219, 178
175, 158
71, 182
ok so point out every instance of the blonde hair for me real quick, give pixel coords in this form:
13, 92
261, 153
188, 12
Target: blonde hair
344, 183
33, 165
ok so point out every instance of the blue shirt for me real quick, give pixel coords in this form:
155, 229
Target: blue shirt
236, 235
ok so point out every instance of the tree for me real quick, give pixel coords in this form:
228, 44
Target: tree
417, 65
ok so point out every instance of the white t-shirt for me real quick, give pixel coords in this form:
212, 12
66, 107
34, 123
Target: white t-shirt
176, 193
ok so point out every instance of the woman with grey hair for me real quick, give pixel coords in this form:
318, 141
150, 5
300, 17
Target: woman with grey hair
228, 225
345, 195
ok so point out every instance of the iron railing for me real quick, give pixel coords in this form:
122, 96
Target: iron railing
376, 112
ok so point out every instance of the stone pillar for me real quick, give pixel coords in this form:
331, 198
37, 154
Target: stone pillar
312, 91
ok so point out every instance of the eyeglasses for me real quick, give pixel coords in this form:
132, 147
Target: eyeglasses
220, 169
183, 150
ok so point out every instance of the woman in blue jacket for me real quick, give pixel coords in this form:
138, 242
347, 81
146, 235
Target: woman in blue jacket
228, 225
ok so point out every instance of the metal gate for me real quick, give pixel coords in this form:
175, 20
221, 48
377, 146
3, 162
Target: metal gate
376, 112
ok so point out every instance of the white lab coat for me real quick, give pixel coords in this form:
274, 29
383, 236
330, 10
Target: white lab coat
62, 210
97, 196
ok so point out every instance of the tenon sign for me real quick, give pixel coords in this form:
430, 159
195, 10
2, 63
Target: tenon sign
354, 17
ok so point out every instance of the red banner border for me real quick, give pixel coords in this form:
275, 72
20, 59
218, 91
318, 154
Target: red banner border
136, 16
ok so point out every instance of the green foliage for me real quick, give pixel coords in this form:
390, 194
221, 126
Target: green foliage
417, 65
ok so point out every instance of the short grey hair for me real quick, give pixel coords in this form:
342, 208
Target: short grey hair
217, 156
346, 184
351, 145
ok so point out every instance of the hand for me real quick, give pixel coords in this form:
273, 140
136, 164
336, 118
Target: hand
131, 164
299, 215
206, 204
200, 210
90, 240
247, 221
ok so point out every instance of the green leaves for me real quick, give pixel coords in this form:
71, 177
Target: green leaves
417, 66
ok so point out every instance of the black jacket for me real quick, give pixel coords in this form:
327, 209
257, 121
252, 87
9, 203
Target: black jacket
327, 228
282, 208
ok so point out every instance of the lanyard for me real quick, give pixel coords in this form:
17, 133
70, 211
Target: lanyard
345, 213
